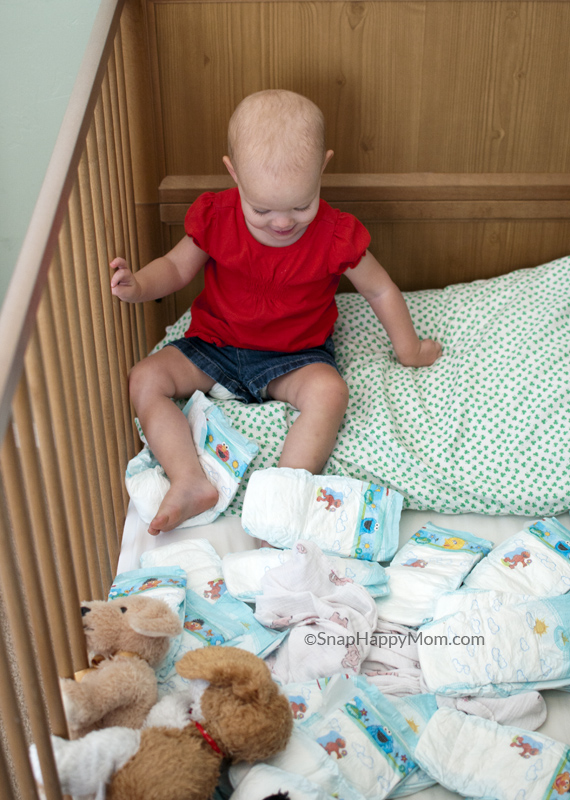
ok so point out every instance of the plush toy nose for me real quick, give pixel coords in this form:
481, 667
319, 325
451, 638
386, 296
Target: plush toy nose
84, 610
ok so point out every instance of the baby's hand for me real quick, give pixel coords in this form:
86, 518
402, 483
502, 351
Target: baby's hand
428, 352
124, 284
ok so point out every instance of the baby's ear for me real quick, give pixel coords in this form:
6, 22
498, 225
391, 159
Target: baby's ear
328, 155
246, 674
229, 166
154, 618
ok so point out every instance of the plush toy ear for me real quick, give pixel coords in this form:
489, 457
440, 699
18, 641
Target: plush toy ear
246, 674
154, 619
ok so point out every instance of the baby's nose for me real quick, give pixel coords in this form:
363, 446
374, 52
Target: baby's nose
283, 222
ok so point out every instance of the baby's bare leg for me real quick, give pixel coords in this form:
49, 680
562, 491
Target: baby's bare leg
152, 384
321, 395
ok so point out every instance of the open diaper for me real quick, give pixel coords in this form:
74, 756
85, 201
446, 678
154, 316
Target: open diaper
224, 455
479, 758
535, 561
344, 516
365, 735
486, 643
166, 583
435, 560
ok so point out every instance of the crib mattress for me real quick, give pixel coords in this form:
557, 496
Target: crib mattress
227, 535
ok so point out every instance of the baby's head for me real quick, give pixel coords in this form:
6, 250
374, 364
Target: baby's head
276, 144
279, 132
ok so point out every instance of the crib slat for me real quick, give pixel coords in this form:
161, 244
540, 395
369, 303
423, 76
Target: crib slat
79, 424
28, 563
74, 577
121, 320
24, 653
101, 413
98, 327
125, 150
84, 545
34, 495
54, 457
104, 124
89, 416
118, 387
119, 212
14, 735
114, 134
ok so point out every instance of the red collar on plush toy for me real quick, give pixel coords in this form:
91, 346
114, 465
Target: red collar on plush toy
209, 739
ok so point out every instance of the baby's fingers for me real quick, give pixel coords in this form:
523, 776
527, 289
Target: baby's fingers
117, 263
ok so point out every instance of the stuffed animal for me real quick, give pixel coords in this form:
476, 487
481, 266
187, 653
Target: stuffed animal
126, 639
232, 710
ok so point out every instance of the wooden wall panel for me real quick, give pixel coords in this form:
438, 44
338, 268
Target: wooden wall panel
405, 86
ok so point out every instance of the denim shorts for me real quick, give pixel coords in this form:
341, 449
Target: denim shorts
246, 373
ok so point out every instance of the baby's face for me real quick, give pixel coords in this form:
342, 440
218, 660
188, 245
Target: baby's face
278, 211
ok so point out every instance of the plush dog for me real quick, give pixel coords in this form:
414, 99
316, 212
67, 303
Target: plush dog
126, 639
232, 710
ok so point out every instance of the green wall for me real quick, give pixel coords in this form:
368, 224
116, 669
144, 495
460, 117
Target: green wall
42, 43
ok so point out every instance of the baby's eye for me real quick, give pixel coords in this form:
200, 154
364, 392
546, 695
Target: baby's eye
255, 211
305, 208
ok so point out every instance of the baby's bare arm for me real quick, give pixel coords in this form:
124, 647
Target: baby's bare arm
387, 302
161, 277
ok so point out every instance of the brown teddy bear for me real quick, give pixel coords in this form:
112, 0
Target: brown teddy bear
126, 639
231, 710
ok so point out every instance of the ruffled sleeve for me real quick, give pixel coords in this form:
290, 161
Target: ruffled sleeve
200, 220
350, 242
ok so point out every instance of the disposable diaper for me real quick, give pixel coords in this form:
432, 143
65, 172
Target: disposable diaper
479, 758
433, 561
343, 516
535, 561
486, 643
224, 455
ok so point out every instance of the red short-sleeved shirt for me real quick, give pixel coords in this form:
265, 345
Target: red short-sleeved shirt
269, 298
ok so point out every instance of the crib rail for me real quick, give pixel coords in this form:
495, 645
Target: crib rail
65, 420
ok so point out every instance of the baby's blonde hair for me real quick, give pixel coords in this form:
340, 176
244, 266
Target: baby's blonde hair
278, 131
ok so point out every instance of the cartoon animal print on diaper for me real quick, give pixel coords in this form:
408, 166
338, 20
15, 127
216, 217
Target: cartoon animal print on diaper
516, 557
332, 499
222, 451
216, 590
415, 562
529, 747
454, 543
210, 636
334, 578
333, 743
298, 706
562, 783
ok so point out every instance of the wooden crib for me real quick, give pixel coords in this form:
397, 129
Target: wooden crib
450, 123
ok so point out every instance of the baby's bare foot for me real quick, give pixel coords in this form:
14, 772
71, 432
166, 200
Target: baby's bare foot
182, 502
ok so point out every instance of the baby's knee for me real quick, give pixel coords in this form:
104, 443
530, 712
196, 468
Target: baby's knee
331, 390
146, 376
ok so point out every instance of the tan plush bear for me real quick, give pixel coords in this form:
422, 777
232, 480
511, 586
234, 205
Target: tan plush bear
126, 639
232, 709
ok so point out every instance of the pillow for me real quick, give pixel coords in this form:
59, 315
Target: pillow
479, 431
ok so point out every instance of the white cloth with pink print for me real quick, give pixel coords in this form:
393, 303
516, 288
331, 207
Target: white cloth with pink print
330, 619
